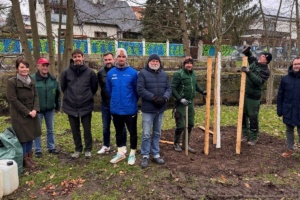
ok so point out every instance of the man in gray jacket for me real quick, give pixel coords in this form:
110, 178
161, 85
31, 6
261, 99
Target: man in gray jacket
155, 90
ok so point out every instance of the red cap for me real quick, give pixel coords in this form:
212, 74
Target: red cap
43, 61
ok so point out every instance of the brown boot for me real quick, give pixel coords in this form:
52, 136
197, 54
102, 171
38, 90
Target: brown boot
30, 157
26, 162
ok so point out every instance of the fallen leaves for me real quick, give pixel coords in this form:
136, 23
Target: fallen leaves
67, 186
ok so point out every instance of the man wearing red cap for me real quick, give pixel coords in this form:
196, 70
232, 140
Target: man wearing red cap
257, 74
49, 99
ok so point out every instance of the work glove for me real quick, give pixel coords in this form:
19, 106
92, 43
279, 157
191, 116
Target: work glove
184, 101
245, 69
160, 101
204, 93
246, 50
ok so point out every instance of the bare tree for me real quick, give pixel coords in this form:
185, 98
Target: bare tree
183, 26
297, 23
22, 34
34, 31
68, 46
49, 36
59, 61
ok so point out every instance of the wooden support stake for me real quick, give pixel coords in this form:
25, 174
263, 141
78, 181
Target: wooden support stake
166, 142
241, 108
207, 106
186, 131
203, 128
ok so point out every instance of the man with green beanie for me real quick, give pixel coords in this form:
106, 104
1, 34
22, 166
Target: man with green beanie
257, 74
184, 87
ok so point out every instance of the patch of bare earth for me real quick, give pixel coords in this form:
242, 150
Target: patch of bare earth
225, 175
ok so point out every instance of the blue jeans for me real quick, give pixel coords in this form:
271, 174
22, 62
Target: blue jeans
106, 121
27, 147
49, 121
151, 123
290, 136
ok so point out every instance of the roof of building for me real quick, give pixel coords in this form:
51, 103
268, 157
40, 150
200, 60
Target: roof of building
109, 12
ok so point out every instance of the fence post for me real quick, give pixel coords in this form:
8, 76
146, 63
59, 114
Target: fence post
56, 45
168, 47
20, 46
144, 46
200, 50
116, 44
89, 45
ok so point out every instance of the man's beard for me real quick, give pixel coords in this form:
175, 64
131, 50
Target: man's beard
154, 67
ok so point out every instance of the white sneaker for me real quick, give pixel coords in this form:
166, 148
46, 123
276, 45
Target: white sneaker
118, 157
88, 154
103, 150
131, 159
124, 149
75, 154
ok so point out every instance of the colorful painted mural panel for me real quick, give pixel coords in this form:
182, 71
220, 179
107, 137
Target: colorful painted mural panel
9, 46
102, 46
132, 48
157, 48
176, 50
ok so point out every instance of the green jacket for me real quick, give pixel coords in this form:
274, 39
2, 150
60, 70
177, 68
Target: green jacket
258, 75
184, 85
48, 92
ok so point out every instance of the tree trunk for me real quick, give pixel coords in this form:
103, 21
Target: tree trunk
49, 36
59, 62
22, 34
297, 23
68, 47
34, 31
183, 26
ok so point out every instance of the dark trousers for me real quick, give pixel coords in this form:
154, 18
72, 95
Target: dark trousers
106, 119
250, 116
75, 127
131, 124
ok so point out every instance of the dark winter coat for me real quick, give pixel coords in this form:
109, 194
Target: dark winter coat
48, 91
102, 74
258, 75
79, 84
23, 99
288, 98
184, 85
150, 84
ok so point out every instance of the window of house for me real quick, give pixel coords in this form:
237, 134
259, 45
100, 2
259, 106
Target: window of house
63, 32
100, 34
271, 26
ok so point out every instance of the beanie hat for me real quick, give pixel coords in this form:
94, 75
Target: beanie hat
43, 61
154, 57
121, 51
187, 60
268, 57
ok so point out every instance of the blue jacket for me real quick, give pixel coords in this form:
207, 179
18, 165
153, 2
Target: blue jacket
121, 85
288, 98
150, 84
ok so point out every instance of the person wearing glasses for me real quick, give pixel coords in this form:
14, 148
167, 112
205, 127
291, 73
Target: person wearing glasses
288, 101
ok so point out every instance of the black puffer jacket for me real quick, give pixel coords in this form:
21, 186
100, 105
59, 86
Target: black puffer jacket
102, 73
79, 84
288, 98
150, 84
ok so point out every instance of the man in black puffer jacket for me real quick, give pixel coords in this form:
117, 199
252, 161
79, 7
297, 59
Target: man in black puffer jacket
153, 86
79, 84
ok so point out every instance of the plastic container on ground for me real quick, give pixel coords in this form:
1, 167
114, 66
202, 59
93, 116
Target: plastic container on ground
10, 180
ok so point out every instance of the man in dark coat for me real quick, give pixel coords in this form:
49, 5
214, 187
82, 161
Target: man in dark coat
288, 101
105, 104
79, 85
257, 74
154, 88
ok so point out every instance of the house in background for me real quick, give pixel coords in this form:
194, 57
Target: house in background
93, 18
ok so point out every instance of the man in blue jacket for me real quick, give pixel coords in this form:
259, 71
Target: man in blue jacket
49, 98
288, 101
121, 84
155, 90
79, 84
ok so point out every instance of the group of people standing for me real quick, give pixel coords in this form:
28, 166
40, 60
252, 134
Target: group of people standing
35, 97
